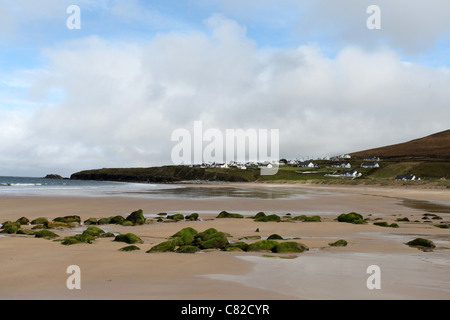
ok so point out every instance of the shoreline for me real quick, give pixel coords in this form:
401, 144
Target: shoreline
36, 268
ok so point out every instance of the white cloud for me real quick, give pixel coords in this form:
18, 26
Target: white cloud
122, 100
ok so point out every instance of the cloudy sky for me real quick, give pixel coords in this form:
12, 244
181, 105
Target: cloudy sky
111, 93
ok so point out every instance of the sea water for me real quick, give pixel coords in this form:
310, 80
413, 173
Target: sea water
26, 186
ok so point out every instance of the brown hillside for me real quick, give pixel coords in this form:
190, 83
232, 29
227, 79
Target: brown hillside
434, 146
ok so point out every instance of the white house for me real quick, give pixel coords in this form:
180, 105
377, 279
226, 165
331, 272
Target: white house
372, 159
307, 165
351, 173
341, 165
405, 177
370, 165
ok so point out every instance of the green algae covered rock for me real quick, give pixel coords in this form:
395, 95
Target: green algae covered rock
55, 224
41, 220
116, 220
289, 247
129, 238
93, 231
237, 246
79, 238
23, 221
126, 223
130, 248
218, 241
351, 217
91, 221
192, 217
338, 243
274, 237
107, 235
421, 243
104, 221
10, 228
225, 214
187, 249
176, 217
269, 218
305, 218
26, 231
68, 219
185, 236
46, 234
136, 217
263, 245
166, 246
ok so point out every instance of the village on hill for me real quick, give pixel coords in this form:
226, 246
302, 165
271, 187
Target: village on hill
342, 166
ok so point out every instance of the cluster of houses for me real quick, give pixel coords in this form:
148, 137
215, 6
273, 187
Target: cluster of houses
235, 165
369, 162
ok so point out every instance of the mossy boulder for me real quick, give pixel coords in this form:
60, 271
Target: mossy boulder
9, 228
405, 219
289, 247
259, 215
93, 231
39, 226
351, 217
23, 221
250, 238
305, 218
107, 235
166, 246
126, 223
176, 217
41, 220
192, 217
68, 219
129, 238
185, 236
187, 249
218, 241
104, 221
136, 217
393, 225
269, 218
225, 214
91, 221
263, 245
130, 248
274, 237
206, 235
237, 246
421, 243
47, 234
338, 243
28, 232
55, 224
210, 239
381, 224
10, 223
116, 220
79, 238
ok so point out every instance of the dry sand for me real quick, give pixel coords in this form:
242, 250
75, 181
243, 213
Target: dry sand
32, 268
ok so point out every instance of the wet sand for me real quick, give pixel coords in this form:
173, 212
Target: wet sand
34, 268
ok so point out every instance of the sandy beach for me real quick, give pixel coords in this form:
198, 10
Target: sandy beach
33, 268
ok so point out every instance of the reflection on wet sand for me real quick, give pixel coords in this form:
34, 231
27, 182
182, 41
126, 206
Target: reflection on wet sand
232, 192
424, 205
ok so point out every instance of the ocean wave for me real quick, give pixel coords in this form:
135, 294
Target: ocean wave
20, 184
